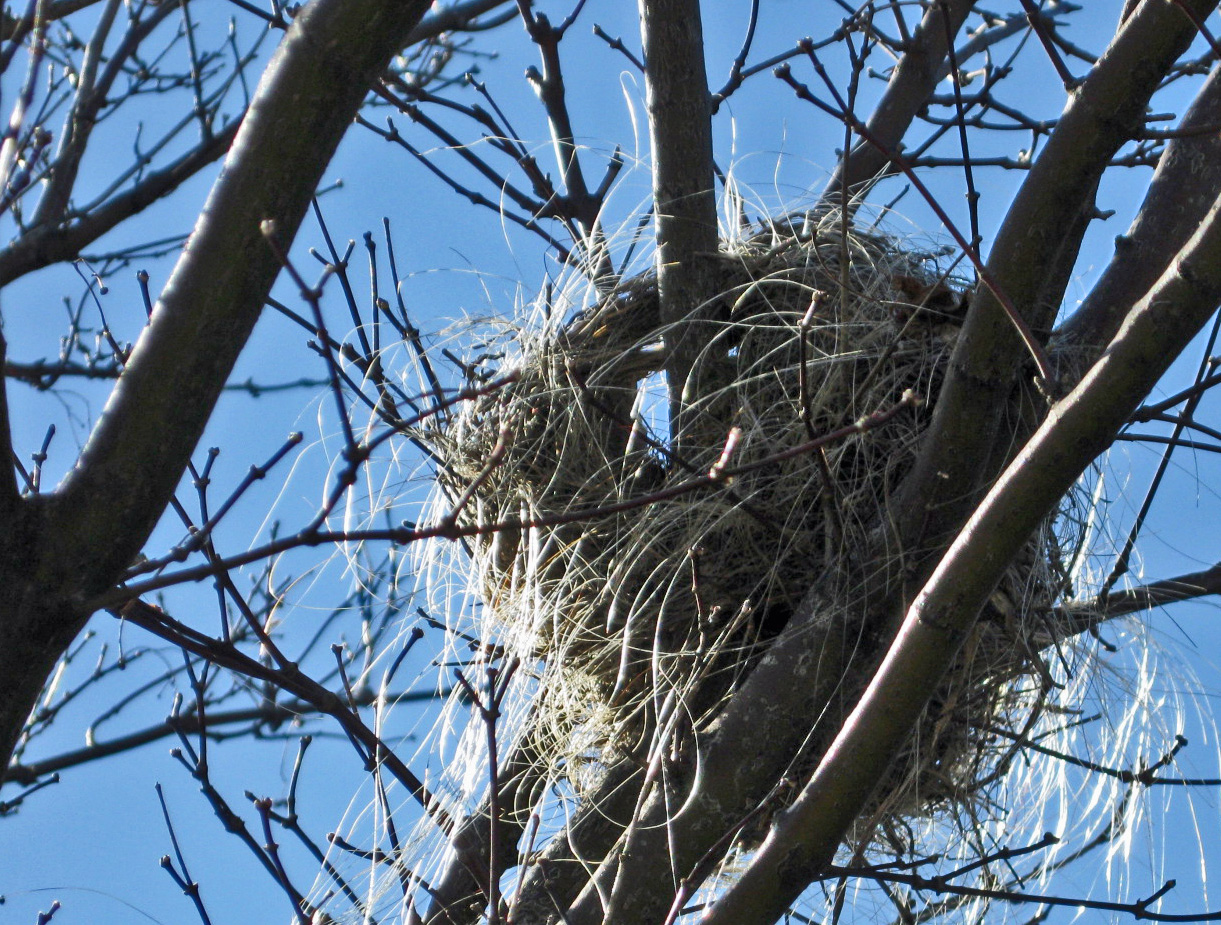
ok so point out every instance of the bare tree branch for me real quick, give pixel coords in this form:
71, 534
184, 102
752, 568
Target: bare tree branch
76, 543
912, 81
265, 716
1077, 429
14, 28
53, 243
452, 18
680, 130
98, 72
1189, 587
1183, 189
217, 290
1041, 233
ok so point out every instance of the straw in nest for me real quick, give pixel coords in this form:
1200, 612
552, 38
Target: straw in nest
617, 605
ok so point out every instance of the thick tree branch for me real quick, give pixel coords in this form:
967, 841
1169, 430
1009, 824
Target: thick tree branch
9, 492
63, 549
680, 131
1183, 189
1078, 428
136, 453
1042, 226
911, 83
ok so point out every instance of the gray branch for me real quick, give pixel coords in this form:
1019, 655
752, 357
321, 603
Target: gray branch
1183, 189
680, 130
60, 550
1078, 428
912, 82
1039, 237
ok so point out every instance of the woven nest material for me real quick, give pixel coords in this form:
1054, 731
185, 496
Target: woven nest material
622, 593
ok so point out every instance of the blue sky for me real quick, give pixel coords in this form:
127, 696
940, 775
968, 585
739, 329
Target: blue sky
92, 842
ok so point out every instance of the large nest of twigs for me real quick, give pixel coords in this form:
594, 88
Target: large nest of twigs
632, 576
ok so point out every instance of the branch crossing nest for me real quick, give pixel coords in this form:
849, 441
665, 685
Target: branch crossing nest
622, 592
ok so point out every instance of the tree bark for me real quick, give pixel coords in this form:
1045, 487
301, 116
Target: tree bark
60, 550
680, 131
736, 759
1045, 222
1079, 428
913, 80
1183, 189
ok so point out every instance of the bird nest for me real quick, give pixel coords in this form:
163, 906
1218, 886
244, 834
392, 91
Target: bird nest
620, 573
